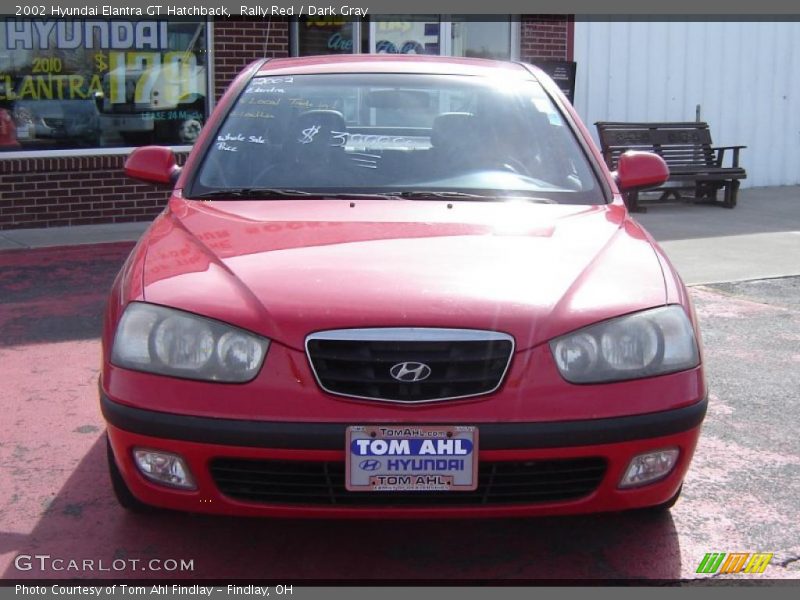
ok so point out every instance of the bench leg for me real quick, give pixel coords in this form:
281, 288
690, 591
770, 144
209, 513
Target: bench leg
706, 193
667, 194
731, 191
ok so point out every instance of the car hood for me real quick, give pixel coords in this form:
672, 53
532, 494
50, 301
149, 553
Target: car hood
285, 269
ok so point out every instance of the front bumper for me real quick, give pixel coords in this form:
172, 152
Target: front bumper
201, 440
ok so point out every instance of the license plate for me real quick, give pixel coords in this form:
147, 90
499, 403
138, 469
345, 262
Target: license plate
413, 458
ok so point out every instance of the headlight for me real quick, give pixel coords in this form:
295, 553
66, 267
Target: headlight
652, 342
166, 341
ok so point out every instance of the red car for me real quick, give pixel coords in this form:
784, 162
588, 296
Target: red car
391, 286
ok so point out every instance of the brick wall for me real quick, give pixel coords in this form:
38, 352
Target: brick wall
545, 36
50, 192
239, 41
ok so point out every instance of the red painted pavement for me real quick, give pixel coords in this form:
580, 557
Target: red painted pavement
55, 498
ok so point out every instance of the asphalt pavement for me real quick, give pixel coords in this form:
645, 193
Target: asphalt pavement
741, 494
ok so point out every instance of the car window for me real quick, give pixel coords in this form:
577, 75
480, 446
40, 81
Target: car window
390, 133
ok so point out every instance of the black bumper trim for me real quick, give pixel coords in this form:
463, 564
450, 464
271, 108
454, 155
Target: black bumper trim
330, 436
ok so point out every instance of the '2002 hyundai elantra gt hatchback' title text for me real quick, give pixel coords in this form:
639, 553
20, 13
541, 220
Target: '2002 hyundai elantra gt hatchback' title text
391, 286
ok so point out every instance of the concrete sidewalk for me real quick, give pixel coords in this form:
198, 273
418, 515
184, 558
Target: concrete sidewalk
15, 239
758, 239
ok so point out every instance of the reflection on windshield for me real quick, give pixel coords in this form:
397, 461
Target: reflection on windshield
384, 134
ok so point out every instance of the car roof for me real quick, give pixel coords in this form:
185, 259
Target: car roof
395, 63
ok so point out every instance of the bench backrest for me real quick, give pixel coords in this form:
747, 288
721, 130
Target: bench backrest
679, 144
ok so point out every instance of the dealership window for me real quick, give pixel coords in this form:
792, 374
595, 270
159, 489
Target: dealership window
447, 35
326, 36
484, 39
395, 35
71, 84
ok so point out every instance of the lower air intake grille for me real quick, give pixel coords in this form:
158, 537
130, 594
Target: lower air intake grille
322, 483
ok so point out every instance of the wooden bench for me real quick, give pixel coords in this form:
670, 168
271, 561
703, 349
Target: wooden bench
694, 163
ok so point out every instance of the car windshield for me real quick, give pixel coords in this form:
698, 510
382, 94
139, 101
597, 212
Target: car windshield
410, 135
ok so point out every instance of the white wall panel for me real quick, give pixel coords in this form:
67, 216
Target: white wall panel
744, 75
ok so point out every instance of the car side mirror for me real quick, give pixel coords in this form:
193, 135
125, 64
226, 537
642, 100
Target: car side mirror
640, 170
153, 164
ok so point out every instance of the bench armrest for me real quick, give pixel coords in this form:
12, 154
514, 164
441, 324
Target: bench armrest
720, 150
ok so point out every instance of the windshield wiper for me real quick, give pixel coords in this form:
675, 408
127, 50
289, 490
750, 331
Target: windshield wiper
526, 198
266, 193
445, 195
356, 196
286, 193
439, 195
252, 193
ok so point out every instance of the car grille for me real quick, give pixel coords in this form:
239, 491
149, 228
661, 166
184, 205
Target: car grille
459, 363
322, 483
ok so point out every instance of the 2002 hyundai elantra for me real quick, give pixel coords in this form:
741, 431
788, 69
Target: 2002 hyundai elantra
398, 287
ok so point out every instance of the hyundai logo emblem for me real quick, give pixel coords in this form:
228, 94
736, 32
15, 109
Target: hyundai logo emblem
369, 464
408, 372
